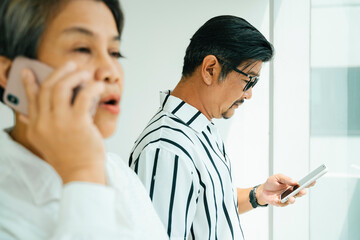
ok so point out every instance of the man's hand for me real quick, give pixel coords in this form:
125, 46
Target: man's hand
63, 133
270, 191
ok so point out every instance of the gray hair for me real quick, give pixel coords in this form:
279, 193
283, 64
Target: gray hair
22, 23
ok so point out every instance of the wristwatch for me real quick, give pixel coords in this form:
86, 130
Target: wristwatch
253, 199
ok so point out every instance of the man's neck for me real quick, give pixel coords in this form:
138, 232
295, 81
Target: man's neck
189, 90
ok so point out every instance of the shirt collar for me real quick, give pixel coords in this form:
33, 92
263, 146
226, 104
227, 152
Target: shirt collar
39, 177
184, 111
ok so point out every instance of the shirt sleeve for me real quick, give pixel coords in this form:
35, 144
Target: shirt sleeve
87, 211
173, 188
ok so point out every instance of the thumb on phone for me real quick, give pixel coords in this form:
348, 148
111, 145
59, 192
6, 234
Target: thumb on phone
286, 180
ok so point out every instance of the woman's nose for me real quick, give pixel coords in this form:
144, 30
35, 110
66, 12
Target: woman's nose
108, 70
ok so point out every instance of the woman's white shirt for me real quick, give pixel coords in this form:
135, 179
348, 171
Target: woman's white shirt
34, 204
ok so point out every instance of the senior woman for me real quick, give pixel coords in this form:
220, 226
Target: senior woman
56, 181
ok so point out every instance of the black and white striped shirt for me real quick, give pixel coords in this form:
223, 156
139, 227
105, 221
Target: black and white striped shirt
181, 160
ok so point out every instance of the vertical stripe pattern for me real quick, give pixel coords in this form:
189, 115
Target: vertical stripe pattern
172, 194
181, 160
154, 174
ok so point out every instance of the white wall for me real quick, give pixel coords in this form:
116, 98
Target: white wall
289, 120
341, 153
154, 40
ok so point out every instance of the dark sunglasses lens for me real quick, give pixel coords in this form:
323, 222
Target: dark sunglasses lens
250, 84
255, 81
247, 86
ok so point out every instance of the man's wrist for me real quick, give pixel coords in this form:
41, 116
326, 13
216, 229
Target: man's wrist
254, 197
259, 191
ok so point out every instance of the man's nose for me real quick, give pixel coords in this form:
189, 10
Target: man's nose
248, 94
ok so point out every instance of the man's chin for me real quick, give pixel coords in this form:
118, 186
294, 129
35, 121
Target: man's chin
231, 111
228, 114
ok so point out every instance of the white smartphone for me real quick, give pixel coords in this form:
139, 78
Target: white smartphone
304, 182
15, 96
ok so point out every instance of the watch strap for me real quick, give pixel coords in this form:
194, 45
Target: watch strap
253, 199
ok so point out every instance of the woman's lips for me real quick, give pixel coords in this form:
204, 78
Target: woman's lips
114, 109
111, 103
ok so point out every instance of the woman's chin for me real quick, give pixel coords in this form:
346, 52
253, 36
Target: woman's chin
106, 129
106, 123
106, 133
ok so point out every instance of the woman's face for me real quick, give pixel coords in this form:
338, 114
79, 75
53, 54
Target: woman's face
85, 32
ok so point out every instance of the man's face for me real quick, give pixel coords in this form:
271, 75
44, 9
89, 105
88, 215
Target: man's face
230, 92
85, 32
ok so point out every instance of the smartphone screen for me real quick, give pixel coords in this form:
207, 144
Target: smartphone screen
288, 191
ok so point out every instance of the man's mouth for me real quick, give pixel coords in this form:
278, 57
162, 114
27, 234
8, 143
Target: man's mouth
238, 103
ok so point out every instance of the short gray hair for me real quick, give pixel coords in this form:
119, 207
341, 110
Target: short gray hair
22, 23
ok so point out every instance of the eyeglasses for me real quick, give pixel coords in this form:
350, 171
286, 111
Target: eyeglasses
252, 79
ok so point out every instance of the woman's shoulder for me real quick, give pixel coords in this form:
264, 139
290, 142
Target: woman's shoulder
120, 175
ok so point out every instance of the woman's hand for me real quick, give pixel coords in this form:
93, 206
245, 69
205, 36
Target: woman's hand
63, 133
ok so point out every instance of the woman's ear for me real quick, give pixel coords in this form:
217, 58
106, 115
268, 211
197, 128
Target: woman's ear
210, 69
5, 64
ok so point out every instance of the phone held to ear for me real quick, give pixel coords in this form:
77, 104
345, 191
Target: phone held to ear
303, 183
15, 95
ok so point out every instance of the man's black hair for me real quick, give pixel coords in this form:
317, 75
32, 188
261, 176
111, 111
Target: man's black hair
229, 38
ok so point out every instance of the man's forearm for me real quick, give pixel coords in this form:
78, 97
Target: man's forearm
244, 200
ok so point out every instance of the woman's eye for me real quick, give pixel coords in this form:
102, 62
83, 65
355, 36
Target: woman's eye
83, 50
116, 54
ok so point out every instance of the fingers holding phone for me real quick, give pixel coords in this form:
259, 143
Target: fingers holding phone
62, 97
64, 133
308, 181
273, 187
50, 93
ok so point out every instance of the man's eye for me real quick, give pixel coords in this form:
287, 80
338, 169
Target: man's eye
83, 50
